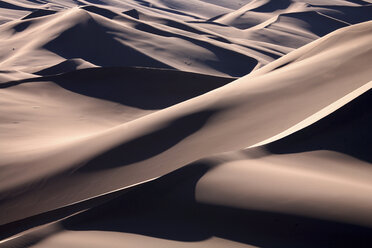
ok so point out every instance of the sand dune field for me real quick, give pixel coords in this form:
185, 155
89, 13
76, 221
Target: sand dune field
185, 123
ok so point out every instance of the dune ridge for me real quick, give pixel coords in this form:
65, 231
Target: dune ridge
212, 102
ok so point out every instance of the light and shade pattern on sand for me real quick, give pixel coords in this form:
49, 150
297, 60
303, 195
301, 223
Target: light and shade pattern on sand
174, 123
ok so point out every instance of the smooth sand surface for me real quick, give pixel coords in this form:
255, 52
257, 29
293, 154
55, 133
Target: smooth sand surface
173, 123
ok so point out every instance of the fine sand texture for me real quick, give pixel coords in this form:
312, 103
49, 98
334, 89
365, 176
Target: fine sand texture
185, 123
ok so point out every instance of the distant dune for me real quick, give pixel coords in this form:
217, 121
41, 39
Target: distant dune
173, 123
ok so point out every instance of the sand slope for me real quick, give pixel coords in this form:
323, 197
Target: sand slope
99, 96
69, 35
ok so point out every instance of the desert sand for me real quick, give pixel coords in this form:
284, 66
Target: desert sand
174, 123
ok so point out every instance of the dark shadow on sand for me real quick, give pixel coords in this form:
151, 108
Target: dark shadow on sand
39, 13
96, 43
349, 14
90, 41
347, 130
140, 88
315, 22
166, 208
151, 144
144, 88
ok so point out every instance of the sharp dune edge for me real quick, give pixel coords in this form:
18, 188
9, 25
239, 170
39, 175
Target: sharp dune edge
172, 123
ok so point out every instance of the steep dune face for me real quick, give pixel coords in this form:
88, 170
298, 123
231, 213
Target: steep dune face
235, 110
232, 117
310, 172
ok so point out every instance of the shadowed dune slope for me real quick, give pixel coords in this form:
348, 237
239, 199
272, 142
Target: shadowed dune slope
346, 131
308, 173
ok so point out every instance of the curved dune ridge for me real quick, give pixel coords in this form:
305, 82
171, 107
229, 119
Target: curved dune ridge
173, 123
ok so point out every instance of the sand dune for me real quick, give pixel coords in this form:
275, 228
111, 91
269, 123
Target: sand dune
172, 123
314, 163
